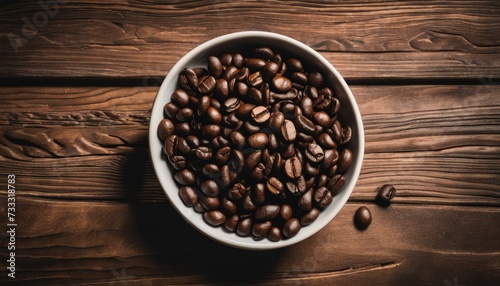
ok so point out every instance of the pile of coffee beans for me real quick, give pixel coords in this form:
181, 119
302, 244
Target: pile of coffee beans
255, 142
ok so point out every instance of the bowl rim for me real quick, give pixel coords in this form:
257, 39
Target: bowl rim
155, 147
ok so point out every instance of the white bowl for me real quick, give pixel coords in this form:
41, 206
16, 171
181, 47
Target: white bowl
349, 115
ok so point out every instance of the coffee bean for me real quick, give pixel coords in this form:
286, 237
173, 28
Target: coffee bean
295, 65
237, 139
274, 186
258, 195
215, 66
326, 141
245, 110
231, 104
237, 161
188, 195
331, 158
291, 227
244, 227
213, 115
274, 234
323, 102
180, 98
335, 183
314, 153
237, 192
204, 153
315, 79
345, 160
264, 53
231, 223
188, 79
210, 170
293, 168
337, 132
248, 204
226, 59
305, 201
276, 120
258, 140
206, 84
260, 229
255, 64
222, 87
288, 130
253, 159
193, 141
214, 217
230, 73
209, 188
346, 135
185, 177
267, 212
323, 197
228, 207
305, 125
363, 217
260, 114
309, 217
322, 118
230, 120
312, 169
171, 110
281, 83
178, 162
274, 143
258, 172
387, 192
270, 70
165, 129
255, 80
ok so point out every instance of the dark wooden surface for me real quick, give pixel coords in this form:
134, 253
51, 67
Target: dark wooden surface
75, 99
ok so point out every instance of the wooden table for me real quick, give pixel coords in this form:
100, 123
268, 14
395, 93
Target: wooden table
78, 82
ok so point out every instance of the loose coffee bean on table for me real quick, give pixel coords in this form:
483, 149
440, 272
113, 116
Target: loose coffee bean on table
256, 143
363, 217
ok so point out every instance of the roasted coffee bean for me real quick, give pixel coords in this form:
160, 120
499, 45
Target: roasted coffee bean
222, 87
326, 141
180, 98
295, 65
214, 217
203, 105
281, 83
305, 125
210, 170
260, 229
309, 217
323, 197
185, 177
255, 80
314, 153
245, 110
244, 227
289, 151
322, 180
334, 106
315, 79
255, 64
274, 186
248, 204
184, 114
305, 201
264, 89
171, 110
231, 223
237, 161
274, 234
219, 142
335, 183
227, 177
226, 59
237, 192
363, 217
222, 155
288, 130
258, 172
291, 94
331, 158
276, 120
293, 168
215, 66
270, 70
274, 143
188, 195
337, 132
237, 139
323, 102
229, 73
253, 159
165, 129
387, 192
291, 227
346, 135
286, 212
258, 194
260, 114
231, 104
204, 153
188, 79
206, 84
312, 169
209, 188
322, 118
267, 212
177, 161
243, 74
213, 115
258, 140
345, 160
241, 89
264, 53
198, 207
230, 120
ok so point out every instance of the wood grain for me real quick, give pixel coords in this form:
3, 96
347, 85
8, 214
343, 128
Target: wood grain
364, 40
413, 142
97, 243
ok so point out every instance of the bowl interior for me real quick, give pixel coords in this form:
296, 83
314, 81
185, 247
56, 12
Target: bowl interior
349, 115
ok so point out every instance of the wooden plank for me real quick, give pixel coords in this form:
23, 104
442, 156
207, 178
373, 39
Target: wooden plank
95, 243
365, 41
437, 144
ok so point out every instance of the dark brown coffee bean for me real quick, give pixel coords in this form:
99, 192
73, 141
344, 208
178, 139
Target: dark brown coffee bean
259, 193
214, 217
264, 53
230, 73
264, 89
334, 106
314, 153
291, 94
213, 115
322, 119
274, 186
177, 161
184, 114
243, 74
209, 188
215, 66
281, 83
244, 227
305, 125
171, 110
326, 141
226, 59
222, 155
255, 64
248, 204
312, 169
286, 212
222, 87
337, 132
323, 197
210, 131
274, 234
185, 177
274, 143
204, 153
260, 114
387, 192
231, 223
206, 84
300, 78
188, 195
171, 146
305, 201
219, 142
345, 160
309, 217
203, 105
293, 168
237, 192
335, 183
241, 89
258, 172
260, 229
165, 129
270, 70
295, 65
255, 80
258, 140
291, 227
253, 159
237, 161
230, 120
289, 151
331, 158
251, 128
210, 170
363, 217
276, 121
311, 92
288, 130
180, 98
231, 104
315, 79
323, 102
188, 79
346, 135
267, 212
238, 60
